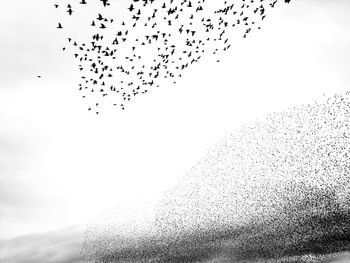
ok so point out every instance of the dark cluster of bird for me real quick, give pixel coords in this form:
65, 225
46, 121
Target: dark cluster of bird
275, 190
157, 41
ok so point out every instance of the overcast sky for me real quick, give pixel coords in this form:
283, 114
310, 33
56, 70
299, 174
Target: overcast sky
60, 165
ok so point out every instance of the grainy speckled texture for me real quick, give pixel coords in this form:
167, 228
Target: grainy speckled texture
277, 190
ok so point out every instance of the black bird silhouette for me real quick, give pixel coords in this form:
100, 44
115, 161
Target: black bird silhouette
105, 2
131, 8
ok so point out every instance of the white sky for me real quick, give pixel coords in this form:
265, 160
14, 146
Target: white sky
61, 165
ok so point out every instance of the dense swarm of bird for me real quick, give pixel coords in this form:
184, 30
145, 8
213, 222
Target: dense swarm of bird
171, 36
273, 189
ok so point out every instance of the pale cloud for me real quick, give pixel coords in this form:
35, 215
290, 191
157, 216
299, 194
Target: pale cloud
24, 49
61, 246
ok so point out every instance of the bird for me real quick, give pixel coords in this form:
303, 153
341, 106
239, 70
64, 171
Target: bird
131, 8
174, 35
70, 11
105, 2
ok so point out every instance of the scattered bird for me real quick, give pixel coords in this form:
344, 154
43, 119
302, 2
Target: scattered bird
175, 36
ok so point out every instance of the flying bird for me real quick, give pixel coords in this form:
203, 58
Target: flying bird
131, 8
174, 35
105, 2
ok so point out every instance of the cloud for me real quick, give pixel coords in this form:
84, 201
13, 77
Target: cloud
61, 246
344, 258
20, 200
27, 51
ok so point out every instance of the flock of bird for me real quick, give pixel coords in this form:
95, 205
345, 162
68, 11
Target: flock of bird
159, 40
275, 190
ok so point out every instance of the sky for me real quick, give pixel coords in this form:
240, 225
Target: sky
60, 165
